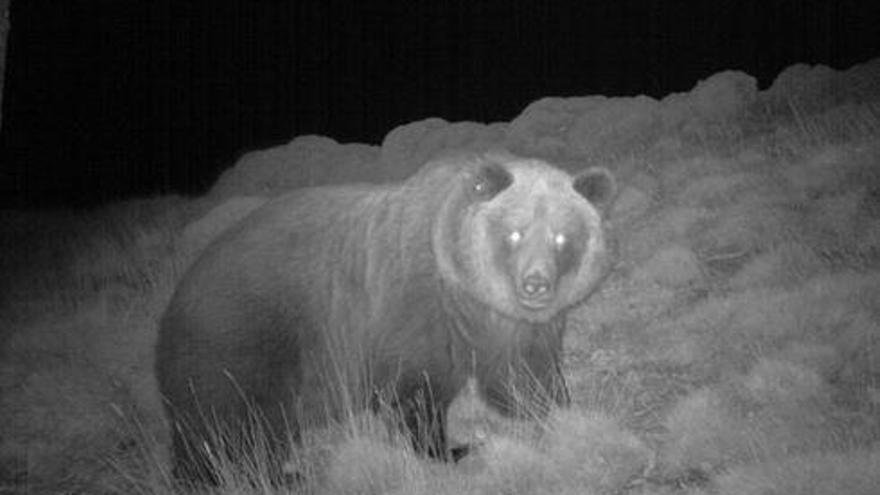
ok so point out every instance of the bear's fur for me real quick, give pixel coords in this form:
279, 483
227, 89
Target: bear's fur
326, 299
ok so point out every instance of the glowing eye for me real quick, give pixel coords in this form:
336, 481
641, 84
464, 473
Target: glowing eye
559, 240
479, 187
515, 236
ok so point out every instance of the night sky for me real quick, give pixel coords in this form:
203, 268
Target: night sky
109, 99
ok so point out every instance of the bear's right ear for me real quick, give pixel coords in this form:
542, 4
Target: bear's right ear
489, 180
597, 186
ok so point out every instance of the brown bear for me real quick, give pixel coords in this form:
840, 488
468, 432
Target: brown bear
326, 298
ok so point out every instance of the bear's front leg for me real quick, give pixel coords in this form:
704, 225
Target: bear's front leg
424, 413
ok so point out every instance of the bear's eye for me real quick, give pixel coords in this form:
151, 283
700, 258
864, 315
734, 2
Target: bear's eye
559, 240
515, 237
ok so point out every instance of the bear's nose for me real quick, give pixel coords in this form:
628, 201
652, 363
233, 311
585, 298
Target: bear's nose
535, 285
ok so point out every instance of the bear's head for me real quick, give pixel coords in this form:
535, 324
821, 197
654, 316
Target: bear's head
523, 237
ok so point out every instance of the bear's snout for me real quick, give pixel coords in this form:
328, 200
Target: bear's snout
536, 290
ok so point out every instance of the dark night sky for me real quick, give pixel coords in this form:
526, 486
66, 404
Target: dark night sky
107, 99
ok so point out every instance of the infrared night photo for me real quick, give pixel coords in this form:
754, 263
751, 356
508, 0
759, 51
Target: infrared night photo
497, 247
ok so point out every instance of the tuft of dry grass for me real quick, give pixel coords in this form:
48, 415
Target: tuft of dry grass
591, 451
703, 435
365, 466
514, 466
840, 473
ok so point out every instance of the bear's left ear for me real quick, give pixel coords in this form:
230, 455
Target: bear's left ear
490, 179
597, 185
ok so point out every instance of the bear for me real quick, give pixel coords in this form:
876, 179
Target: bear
338, 298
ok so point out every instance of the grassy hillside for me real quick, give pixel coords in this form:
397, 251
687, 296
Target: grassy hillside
734, 350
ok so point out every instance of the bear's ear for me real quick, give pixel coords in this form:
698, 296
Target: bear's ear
489, 180
597, 185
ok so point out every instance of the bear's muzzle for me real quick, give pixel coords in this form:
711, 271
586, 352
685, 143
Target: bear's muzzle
535, 291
